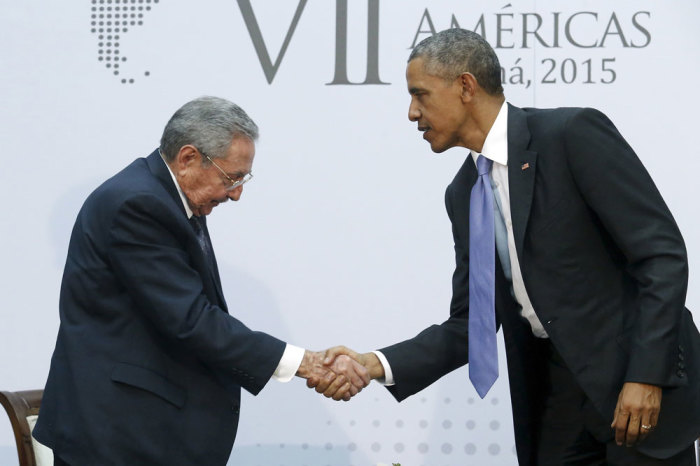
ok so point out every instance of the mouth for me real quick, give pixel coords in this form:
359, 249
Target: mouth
424, 130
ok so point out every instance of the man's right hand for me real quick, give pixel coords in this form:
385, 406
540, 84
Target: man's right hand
341, 378
340, 355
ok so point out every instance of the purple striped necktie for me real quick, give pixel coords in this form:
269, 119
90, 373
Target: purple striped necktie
483, 354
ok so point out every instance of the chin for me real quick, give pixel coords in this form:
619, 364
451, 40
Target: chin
439, 146
199, 210
438, 149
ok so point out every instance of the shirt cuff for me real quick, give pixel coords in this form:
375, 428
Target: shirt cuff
289, 364
388, 375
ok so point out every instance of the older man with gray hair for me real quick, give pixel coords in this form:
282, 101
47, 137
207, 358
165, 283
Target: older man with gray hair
149, 364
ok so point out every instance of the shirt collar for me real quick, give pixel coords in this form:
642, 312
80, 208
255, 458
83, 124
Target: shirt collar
496, 143
183, 198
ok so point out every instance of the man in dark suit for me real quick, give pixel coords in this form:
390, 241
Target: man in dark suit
148, 363
589, 271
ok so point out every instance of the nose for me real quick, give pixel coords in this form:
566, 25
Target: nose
413, 112
235, 194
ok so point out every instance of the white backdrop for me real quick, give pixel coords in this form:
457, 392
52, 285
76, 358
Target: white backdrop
342, 235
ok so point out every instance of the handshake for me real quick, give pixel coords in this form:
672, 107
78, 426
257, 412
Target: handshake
339, 372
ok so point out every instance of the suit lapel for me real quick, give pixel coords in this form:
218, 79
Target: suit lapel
467, 176
158, 168
522, 167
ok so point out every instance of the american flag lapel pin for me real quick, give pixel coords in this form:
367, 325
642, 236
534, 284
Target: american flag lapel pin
525, 166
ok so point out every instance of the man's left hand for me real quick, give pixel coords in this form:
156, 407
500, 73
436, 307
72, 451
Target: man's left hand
636, 413
341, 380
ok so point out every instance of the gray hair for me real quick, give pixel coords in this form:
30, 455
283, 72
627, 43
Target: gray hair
451, 52
209, 124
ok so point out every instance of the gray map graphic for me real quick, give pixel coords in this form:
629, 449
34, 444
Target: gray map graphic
110, 20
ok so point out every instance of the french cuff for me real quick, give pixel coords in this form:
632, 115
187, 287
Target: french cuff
388, 375
289, 364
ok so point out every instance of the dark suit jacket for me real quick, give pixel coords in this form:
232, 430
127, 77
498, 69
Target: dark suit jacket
604, 265
148, 363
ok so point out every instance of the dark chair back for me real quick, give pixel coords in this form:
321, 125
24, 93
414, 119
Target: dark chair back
19, 405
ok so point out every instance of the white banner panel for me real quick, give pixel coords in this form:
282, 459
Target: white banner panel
342, 235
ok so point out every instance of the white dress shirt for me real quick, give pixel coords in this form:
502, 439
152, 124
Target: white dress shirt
496, 149
293, 355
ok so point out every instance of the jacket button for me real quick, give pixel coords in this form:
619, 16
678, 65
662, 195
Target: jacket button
680, 373
681, 365
681, 357
680, 348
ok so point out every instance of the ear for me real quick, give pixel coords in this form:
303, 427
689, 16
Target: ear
469, 86
186, 157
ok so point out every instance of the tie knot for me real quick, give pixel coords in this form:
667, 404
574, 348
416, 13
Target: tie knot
483, 165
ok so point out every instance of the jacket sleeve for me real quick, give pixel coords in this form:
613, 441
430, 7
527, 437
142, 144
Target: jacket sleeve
147, 248
617, 187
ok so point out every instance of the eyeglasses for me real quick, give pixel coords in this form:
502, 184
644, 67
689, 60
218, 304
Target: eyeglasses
231, 184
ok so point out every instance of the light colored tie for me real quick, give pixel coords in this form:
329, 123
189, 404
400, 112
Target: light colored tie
483, 353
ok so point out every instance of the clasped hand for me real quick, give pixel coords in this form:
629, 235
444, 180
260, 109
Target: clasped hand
349, 373
337, 376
